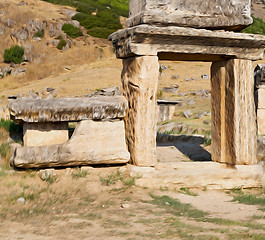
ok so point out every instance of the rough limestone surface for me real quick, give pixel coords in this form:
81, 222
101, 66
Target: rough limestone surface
181, 43
165, 112
202, 175
93, 142
68, 109
220, 14
41, 134
233, 112
139, 81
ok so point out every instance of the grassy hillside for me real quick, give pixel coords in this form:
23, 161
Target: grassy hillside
257, 27
99, 17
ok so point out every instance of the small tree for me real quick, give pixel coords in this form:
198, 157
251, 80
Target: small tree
14, 54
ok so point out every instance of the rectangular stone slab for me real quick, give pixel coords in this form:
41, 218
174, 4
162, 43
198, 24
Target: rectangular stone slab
186, 43
68, 109
213, 14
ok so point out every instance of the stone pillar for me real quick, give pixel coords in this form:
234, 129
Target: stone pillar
233, 112
139, 81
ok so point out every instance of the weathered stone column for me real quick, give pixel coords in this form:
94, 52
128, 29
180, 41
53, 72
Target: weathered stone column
233, 112
140, 80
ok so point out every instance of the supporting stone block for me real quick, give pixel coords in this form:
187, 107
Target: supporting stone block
140, 80
233, 112
93, 142
261, 121
261, 97
43, 134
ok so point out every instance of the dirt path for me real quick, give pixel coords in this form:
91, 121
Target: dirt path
103, 203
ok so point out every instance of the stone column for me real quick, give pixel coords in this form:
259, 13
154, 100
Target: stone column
140, 80
233, 112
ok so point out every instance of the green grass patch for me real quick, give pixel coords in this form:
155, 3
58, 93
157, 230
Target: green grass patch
72, 31
115, 177
80, 174
249, 199
10, 126
187, 192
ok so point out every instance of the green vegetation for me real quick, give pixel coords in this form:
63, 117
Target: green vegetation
257, 27
249, 199
80, 174
187, 192
72, 31
14, 54
39, 33
62, 43
10, 126
4, 150
115, 177
99, 17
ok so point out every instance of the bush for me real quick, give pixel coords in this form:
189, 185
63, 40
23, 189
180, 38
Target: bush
61, 44
14, 54
72, 31
107, 19
39, 33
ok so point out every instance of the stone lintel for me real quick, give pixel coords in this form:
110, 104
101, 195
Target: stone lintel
181, 43
67, 109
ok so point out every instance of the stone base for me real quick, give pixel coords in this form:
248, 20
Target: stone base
42, 134
202, 175
165, 112
93, 142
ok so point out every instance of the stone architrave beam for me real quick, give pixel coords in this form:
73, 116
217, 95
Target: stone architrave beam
233, 112
180, 43
212, 14
67, 109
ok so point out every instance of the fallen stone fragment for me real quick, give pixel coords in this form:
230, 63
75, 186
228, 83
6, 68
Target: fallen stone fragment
187, 114
46, 174
21, 200
172, 89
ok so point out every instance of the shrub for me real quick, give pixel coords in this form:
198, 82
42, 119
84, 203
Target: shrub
72, 31
14, 54
107, 19
62, 43
257, 27
39, 33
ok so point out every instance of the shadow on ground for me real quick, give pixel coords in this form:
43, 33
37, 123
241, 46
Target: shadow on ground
188, 145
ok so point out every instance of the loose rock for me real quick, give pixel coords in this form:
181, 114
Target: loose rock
46, 174
21, 200
187, 114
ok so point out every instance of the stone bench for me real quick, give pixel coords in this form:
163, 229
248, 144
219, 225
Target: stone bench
99, 137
